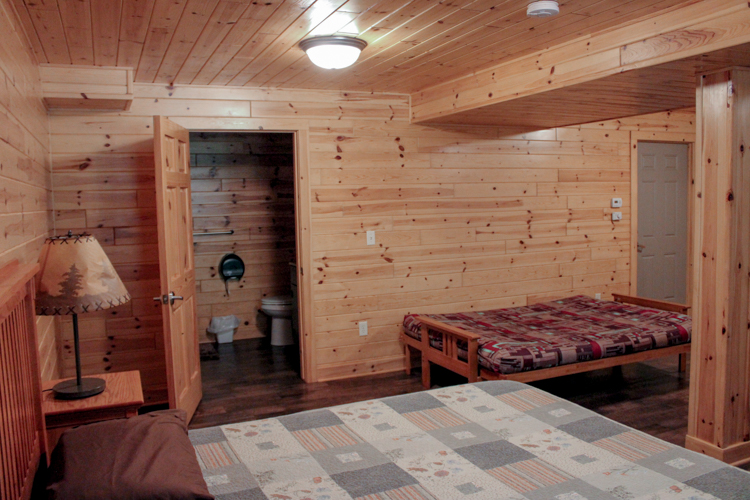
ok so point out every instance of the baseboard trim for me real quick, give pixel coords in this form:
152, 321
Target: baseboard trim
736, 454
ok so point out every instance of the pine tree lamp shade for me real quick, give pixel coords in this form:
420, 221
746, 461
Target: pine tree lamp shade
77, 277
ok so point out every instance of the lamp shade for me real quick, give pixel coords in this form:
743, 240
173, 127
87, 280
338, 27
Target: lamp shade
77, 277
333, 52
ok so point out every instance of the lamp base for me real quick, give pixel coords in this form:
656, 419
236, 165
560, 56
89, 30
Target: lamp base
69, 389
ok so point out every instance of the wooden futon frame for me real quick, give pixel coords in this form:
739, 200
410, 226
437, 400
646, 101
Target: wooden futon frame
448, 358
22, 431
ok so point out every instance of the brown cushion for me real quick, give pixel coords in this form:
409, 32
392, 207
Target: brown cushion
144, 457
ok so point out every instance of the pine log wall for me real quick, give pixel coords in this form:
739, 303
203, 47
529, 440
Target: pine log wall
25, 180
470, 218
243, 183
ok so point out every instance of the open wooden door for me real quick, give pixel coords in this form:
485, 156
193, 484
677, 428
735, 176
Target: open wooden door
177, 265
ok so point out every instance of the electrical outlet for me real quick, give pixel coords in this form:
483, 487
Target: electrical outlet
363, 328
616, 202
370, 237
616, 216
598, 296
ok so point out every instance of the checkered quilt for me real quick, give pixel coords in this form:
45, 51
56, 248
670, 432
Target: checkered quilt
560, 332
496, 440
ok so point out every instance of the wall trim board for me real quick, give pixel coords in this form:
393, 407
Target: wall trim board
671, 137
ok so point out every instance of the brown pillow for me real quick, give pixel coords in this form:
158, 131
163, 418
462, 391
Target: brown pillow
144, 457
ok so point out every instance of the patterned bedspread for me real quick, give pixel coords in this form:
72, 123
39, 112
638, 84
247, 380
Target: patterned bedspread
561, 332
496, 440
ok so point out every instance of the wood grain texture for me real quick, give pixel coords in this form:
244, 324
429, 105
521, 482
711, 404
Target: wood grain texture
177, 283
23, 433
718, 420
426, 191
26, 217
123, 389
595, 72
411, 44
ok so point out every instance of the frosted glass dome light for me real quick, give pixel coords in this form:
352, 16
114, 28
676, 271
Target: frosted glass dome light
333, 52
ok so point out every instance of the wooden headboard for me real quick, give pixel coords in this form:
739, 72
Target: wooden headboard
22, 432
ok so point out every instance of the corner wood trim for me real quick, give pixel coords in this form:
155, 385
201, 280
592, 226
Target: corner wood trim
736, 454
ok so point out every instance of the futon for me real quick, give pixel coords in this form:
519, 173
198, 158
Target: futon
508, 343
485, 441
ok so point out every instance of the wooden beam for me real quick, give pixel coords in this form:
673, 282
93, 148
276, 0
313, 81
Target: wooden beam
696, 29
719, 415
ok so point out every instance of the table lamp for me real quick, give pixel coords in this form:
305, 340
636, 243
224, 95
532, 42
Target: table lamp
77, 277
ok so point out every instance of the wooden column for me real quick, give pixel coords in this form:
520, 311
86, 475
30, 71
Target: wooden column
719, 418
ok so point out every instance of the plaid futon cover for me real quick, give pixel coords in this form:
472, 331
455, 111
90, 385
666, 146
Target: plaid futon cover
561, 332
497, 440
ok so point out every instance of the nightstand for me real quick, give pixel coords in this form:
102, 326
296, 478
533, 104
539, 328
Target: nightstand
121, 399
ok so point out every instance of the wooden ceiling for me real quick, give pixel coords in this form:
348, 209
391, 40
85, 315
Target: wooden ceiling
638, 92
412, 44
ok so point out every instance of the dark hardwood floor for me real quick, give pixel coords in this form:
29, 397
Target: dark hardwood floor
252, 380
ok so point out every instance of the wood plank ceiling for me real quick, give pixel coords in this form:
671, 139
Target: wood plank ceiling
412, 44
638, 92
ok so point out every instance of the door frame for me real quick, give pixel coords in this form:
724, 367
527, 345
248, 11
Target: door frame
663, 137
302, 214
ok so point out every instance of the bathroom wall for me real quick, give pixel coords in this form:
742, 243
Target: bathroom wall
242, 182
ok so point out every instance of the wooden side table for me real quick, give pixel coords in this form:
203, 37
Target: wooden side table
121, 398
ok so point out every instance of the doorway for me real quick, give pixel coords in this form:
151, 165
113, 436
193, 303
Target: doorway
243, 204
663, 222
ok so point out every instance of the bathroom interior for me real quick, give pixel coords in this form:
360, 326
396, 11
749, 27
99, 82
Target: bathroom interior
244, 239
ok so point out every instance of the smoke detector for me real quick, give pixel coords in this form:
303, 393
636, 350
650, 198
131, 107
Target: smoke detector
543, 9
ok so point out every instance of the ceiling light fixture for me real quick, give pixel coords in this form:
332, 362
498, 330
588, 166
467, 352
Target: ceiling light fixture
543, 9
333, 52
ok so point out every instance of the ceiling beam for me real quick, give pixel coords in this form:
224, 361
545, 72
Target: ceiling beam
695, 29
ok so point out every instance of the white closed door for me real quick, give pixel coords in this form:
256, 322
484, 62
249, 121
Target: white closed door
662, 221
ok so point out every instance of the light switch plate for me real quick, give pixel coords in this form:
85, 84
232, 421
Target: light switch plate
616, 202
362, 328
616, 216
370, 237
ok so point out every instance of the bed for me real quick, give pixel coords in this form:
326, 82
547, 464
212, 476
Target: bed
549, 339
488, 440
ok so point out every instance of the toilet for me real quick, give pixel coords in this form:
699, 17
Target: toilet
280, 309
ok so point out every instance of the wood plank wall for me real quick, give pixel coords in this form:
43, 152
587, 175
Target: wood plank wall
244, 183
465, 218
25, 180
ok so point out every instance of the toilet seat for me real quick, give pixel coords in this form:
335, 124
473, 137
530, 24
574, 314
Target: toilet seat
281, 300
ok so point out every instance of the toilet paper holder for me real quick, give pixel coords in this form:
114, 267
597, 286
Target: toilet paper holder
231, 268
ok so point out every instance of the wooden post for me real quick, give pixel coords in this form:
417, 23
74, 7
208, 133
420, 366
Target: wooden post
719, 415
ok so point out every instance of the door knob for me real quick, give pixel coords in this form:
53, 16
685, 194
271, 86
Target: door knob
641, 247
168, 299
